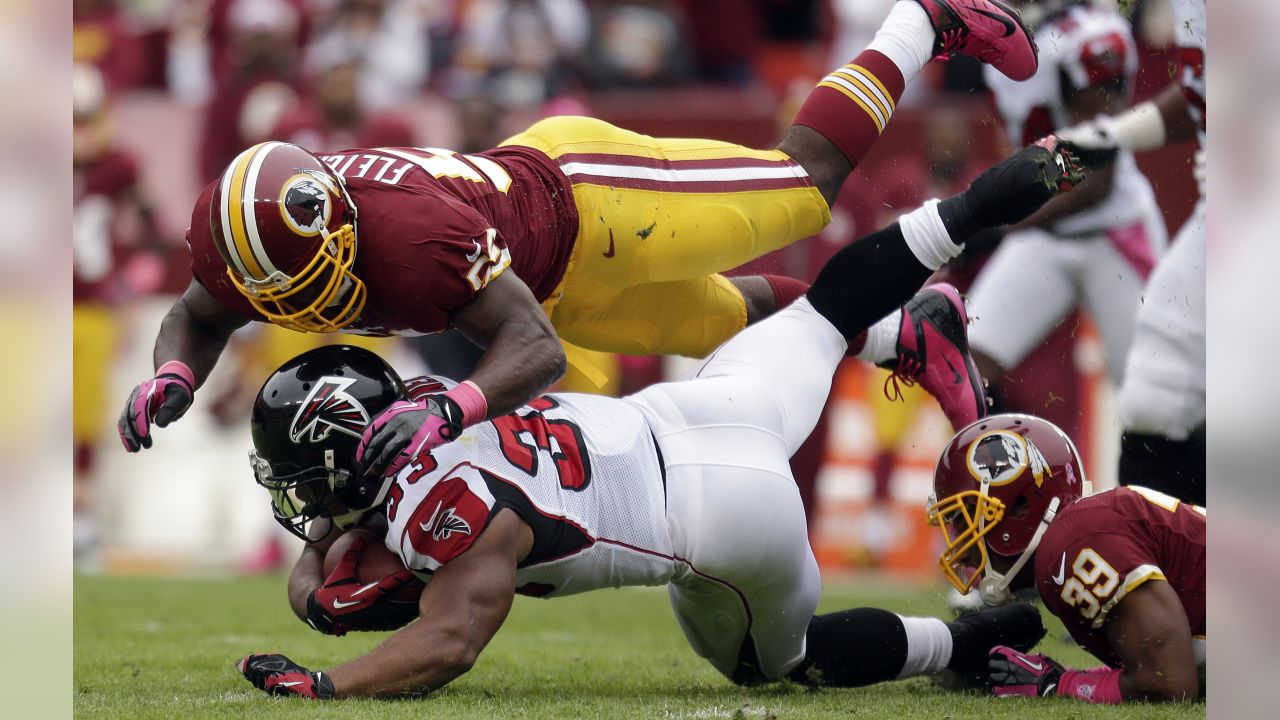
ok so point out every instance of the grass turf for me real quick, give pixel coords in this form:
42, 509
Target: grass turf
165, 648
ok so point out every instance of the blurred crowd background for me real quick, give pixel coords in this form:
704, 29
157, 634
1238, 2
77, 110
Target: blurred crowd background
166, 92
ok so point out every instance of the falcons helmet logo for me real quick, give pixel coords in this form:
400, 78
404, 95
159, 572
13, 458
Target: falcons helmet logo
328, 407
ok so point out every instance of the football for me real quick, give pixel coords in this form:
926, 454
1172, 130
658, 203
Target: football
376, 562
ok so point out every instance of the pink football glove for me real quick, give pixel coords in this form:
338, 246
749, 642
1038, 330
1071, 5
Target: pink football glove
162, 399
406, 429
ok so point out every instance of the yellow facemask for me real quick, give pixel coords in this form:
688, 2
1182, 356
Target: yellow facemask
964, 525
320, 285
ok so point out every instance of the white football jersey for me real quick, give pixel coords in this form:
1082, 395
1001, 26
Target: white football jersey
1189, 29
581, 470
1080, 44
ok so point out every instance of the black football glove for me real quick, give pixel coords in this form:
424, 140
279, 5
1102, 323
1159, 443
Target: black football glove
1011, 191
278, 675
1012, 673
161, 399
405, 430
344, 604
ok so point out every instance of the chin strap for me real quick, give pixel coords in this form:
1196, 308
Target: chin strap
994, 588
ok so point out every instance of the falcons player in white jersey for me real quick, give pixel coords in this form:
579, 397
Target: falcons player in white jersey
1093, 248
684, 484
1162, 400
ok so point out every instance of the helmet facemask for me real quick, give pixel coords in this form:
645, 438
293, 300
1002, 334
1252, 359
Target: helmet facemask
964, 527
325, 296
330, 492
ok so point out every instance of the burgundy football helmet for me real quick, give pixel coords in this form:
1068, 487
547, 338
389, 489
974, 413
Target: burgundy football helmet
285, 226
997, 486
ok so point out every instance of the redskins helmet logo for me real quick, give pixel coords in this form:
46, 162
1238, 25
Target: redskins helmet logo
304, 204
328, 407
1001, 456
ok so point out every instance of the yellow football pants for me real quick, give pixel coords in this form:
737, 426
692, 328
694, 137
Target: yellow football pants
658, 220
95, 333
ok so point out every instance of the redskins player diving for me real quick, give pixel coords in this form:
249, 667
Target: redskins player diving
1123, 569
684, 484
612, 239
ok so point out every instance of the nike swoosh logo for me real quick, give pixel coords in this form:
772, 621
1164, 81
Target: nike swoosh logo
1009, 27
426, 526
609, 253
1034, 666
954, 371
289, 684
1062, 570
339, 604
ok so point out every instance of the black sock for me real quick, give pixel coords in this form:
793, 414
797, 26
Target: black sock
853, 648
868, 279
1174, 467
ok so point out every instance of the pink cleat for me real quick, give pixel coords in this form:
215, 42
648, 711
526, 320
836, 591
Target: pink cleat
933, 350
988, 30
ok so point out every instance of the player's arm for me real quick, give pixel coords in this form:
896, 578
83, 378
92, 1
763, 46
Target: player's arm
465, 603
308, 572
195, 331
523, 354
192, 336
1149, 632
1084, 104
1146, 126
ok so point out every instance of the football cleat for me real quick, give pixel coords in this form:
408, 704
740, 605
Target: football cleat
933, 350
988, 30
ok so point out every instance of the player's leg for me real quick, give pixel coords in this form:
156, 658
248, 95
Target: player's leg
1113, 284
1162, 400
746, 601
792, 354
847, 111
1023, 292
752, 579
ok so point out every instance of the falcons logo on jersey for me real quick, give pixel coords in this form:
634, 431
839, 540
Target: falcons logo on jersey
328, 407
443, 526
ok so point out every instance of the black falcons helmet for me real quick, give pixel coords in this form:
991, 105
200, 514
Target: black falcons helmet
307, 420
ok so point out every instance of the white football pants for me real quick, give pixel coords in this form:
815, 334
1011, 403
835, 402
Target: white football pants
1035, 279
726, 432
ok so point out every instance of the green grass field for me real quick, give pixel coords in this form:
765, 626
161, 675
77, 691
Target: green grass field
165, 648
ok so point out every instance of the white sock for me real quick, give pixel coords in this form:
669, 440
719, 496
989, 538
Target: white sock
927, 236
906, 38
928, 646
882, 339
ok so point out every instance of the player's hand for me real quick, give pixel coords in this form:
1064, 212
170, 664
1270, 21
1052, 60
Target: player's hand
160, 400
405, 430
278, 675
1012, 673
343, 603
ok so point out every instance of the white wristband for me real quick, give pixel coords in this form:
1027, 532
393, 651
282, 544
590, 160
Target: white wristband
1138, 129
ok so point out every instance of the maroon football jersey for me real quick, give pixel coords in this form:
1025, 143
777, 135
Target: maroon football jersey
98, 188
424, 218
1102, 547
